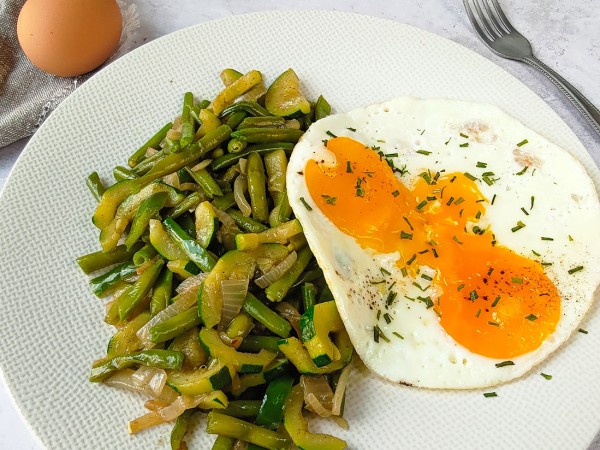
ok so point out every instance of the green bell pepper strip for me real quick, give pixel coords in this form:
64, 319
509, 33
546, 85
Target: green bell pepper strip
118, 192
246, 223
297, 428
95, 185
240, 429
153, 142
161, 294
148, 209
187, 122
102, 284
257, 188
143, 255
279, 289
206, 182
322, 108
162, 359
123, 306
253, 343
98, 260
309, 295
175, 326
267, 135
180, 429
242, 409
223, 443
232, 158
251, 108
266, 316
191, 248
271, 410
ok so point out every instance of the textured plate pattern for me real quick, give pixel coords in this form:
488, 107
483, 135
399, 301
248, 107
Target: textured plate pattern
52, 325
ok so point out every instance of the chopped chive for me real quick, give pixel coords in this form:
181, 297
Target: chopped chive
493, 324
531, 317
493, 199
424, 152
376, 334
421, 205
469, 176
378, 314
390, 298
404, 272
349, 167
535, 253
523, 142
546, 376
464, 135
446, 143
505, 363
544, 238
398, 335
407, 221
571, 238
306, 205
450, 200
435, 253
490, 394
351, 129
360, 192
522, 171
383, 271
427, 177
525, 211
478, 215
517, 280
478, 312
459, 200
411, 260
518, 226
575, 269
427, 300
460, 288
532, 202
466, 144
329, 199
490, 271
426, 277
481, 165
431, 198
382, 336
391, 155
396, 193
404, 235
546, 263
581, 330
455, 239
473, 295
496, 301
387, 318
329, 133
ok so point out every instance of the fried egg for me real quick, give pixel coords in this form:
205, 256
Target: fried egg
461, 247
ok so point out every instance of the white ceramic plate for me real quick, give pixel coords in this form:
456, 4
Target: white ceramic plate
52, 325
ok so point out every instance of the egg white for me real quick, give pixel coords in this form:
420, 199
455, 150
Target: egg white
566, 209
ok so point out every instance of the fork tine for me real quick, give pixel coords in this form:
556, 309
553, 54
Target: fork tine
493, 18
483, 32
502, 17
491, 31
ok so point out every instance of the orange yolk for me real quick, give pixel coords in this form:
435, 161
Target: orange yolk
493, 301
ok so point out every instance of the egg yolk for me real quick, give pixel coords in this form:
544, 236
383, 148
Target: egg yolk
493, 301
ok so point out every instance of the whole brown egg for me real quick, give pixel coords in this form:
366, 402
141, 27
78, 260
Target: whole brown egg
69, 37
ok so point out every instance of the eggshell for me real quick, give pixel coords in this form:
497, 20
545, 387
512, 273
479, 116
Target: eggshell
69, 37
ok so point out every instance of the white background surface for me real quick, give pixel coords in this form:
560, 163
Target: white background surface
564, 36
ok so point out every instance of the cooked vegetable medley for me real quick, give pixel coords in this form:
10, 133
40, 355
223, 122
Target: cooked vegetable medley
217, 302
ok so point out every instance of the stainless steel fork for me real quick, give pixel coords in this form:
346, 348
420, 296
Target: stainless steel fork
502, 38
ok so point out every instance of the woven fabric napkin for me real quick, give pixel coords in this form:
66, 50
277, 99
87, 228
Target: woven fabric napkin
27, 94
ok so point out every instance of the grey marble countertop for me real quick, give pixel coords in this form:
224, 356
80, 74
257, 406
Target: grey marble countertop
564, 35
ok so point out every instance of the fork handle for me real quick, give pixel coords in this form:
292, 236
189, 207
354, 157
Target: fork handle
585, 107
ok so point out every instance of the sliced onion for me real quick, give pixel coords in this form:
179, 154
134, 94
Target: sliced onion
151, 151
341, 422
224, 218
291, 314
148, 420
172, 179
177, 408
240, 186
191, 283
234, 293
158, 381
174, 134
338, 397
190, 187
183, 303
124, 379
240, 445
277, 272
143, 374
317, 390
202, 165
243, 162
